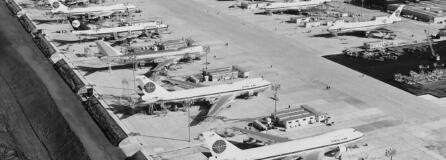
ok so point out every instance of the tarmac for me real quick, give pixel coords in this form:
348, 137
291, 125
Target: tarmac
354, 101
283, 54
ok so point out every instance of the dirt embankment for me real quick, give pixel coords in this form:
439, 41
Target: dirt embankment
31, 117
40, 118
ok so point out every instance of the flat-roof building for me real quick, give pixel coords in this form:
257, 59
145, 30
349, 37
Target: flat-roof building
295, 117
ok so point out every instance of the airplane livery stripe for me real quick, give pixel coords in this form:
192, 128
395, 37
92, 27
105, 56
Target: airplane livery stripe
285, 154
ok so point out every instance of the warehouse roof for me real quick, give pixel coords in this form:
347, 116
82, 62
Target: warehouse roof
292, 118
287, 111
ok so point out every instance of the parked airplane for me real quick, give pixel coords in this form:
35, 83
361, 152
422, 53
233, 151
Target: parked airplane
295, 5
218, 95
75, 2
163, 58
221, 149
367, 26
81, 28
97, 11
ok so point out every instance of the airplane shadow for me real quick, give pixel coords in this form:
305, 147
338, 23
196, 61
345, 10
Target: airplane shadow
65, 42
324, 35
329, 35
242, 145
290, 12
126, 110
167, 138
241, 119
91, 70
360, 34
47, 21
202, 115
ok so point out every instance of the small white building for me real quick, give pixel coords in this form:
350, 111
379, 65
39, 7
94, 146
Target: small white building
298, 120
296, 117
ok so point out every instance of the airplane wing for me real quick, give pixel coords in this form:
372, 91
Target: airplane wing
222, 102
163, 64
262, 136
185, 84
158, 67
103, 14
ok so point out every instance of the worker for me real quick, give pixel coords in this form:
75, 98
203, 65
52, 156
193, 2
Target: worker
289, 106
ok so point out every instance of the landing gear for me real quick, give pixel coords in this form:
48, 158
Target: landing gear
269, 13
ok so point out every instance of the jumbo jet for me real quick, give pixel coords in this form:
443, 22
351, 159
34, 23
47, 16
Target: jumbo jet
81, 29
295, 5
221, 149
368, 26
218, 95
98, 11
163, 58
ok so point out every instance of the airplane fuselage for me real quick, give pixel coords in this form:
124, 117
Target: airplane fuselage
342, 27
122, 29
159, 56
203, 93
298, 5
295, 147
374, 24
237, 88
117, 8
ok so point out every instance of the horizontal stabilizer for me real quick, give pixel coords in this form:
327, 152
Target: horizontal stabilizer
185, 84
262, 136
106, 49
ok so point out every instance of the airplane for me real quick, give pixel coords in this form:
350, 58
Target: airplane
368, 26
98, 11
81, 29
218, 95
75, 2
221, 149
162, 58
295, 5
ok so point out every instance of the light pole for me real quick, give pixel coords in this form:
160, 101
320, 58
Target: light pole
390, 153
207, 50
275, 88
188, 104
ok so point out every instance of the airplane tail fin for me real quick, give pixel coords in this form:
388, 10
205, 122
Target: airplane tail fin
152, 91
57, 7
219, 147
78, 24
396, 14
107, 49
